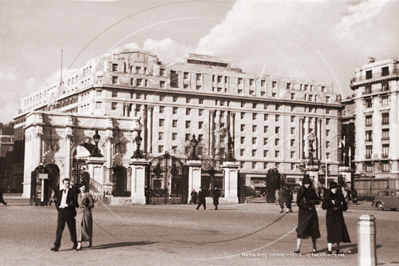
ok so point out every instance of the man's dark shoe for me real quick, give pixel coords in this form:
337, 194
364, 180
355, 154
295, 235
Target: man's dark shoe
54, 249
75, 246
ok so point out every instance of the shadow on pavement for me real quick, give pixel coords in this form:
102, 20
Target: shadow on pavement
123, 244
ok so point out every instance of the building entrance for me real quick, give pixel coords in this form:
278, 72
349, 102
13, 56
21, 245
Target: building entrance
166, 181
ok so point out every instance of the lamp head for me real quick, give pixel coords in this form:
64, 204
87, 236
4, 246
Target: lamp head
96, 137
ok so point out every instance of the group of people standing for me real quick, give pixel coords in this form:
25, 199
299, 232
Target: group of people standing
285, 196
74, 209
200, 198
308, 222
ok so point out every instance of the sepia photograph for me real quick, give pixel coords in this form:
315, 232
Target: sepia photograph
199, 132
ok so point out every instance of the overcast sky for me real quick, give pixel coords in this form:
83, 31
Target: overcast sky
313, 40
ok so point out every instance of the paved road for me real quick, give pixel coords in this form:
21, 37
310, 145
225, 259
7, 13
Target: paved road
236, 234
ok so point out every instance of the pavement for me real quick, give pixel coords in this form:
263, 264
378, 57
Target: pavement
236, 234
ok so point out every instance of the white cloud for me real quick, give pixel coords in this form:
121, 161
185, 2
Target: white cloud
361, 13
166, 49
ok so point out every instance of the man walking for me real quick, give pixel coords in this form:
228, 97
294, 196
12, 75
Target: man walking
201, 199
288, 198
216, 195
1, 197
65, 203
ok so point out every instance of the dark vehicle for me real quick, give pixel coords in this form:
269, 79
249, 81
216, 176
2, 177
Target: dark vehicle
260, 192
387, 198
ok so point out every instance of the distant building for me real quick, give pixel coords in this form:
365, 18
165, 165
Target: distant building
268, 118
6, 138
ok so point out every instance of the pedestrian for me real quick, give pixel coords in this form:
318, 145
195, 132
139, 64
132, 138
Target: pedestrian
52, 197
193, 197
216, 195
280, 199
84, 217
201, 199
354, 196
65, 203
335, 204
308, 222
276, 196
288, 198
1, 197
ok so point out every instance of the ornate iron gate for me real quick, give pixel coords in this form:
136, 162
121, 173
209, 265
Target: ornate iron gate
167, 181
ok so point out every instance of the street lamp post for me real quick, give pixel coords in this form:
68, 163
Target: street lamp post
138, 154
96, 152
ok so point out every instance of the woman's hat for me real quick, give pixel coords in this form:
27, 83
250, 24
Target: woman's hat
333, 185
306, 180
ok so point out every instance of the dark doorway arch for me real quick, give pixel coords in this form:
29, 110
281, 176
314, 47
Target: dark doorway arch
51, 183
120, 182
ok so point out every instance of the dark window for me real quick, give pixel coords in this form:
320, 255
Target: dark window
369, 74
369, 152
385, 71
369, 135
385, 119
369, 103
369, 121
368, 89
385, 86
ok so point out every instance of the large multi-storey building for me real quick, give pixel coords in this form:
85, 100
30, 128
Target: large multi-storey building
376, 119
268, 118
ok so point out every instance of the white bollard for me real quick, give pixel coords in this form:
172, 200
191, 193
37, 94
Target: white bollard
366, 241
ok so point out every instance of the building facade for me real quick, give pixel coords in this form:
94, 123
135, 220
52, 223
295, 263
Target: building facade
375, 101
268, 119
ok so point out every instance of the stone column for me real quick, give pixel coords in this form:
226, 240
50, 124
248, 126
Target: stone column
211, 132
138, 180
306, 126
233, 134
367, 254
149, 125
67, 164
194, 176
301, 138
230, 182
68, 137
129, 178
217, 127
107, 182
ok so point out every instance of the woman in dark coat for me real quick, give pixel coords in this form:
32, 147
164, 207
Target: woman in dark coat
308, 222
335, 204
84, 217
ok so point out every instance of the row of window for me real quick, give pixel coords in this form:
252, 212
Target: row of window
384, 72
385, 167
384, 154
368, 102
385, 134
384, 121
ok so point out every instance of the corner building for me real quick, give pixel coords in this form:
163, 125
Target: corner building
268, 118
376, 102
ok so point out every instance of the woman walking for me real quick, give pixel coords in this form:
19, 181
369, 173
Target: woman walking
84, 218
335, 204
308, 222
